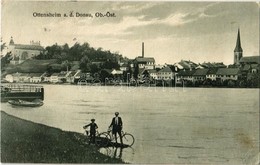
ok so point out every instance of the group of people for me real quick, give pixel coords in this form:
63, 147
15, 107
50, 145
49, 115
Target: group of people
116, 125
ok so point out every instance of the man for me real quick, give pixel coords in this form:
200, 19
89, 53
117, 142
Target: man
93, 126
117, 125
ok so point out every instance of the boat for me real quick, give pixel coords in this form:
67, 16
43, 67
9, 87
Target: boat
19, 102
22, 92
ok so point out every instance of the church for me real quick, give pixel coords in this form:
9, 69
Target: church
241, 61
22, 52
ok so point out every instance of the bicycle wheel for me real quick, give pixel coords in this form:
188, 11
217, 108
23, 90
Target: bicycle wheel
102, 140
128, 139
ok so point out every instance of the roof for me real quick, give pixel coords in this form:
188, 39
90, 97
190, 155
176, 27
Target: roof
213, 65
144, 59
55, 74
151, 70
212, 71
25, 74
238, 47
141, 70
124, 65
107, 70
227, 71
166, 69
36, 74
255, 66
73, 73
186, 72
114, 71
250, 59
246, 67
201, 72
28, 47
187, 64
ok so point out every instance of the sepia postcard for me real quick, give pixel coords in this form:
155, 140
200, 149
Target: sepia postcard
139, 82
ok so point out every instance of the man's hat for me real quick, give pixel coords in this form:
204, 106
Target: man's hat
116, 113
92, 119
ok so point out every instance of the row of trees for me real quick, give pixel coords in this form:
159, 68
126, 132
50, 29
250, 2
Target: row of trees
77, 52
90, 59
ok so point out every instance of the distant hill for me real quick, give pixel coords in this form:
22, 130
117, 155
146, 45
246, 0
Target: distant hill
30, 66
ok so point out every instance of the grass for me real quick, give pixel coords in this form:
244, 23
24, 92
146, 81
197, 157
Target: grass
27, 142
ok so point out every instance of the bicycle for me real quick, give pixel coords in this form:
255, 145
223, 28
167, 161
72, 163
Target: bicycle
128, 139
101, 140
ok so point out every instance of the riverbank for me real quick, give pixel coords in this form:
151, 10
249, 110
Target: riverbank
27, 142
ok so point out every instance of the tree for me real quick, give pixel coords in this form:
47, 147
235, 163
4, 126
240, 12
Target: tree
94, 68
84, 64
136, 71
3, 45
110, 65
5, 60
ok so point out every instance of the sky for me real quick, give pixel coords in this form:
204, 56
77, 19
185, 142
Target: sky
171, 31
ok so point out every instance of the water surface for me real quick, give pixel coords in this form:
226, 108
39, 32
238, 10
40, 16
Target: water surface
170, 125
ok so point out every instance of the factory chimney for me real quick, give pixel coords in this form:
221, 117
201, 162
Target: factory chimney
142, 49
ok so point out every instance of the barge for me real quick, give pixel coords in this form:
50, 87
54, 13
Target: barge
21, 92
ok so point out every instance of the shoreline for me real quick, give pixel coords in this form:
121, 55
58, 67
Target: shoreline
24, 141
133, 86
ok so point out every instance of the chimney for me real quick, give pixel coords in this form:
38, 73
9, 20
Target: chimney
142, 49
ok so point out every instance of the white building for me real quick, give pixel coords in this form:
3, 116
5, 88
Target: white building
165, 74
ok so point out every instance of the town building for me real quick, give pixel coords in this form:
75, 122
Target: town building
21, 52
185, 75
165, 73
187, 65
36, 77
212, 74
54, 78
228, 74
153, 74
144, 62
200, 75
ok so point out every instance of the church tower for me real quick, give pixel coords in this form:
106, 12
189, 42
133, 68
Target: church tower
238, 52
11, 41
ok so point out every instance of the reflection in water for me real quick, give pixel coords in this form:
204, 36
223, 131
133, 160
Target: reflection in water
200, 125
116, 154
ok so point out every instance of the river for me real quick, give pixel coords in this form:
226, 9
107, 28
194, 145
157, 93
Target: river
170, 125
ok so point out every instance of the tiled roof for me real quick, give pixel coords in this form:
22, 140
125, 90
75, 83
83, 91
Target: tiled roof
151, 70
201, 72
212, 71
187, 64
227, 71
55, 74
36, 74
166, 69
29, 47
145, 59
250, 59
186, 73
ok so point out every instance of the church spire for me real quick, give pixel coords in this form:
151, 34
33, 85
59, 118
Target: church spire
238, 52
238, 47
11, 41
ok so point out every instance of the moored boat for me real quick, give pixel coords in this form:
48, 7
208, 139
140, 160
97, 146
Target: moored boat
19, 102
22, 92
